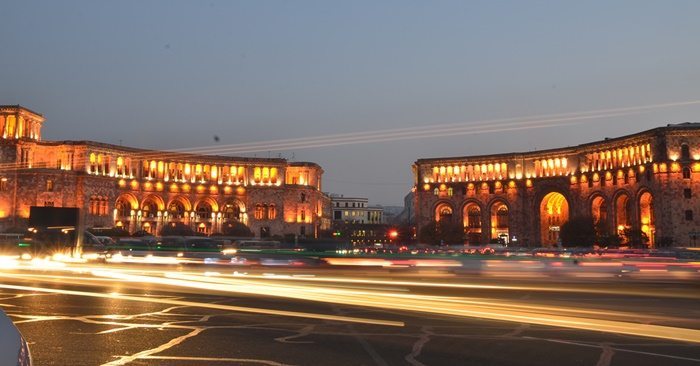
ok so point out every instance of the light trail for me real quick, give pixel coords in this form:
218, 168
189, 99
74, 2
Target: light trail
418, 303
204, 305
327, 290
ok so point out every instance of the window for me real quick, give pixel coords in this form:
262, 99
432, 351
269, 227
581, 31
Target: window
337, 215
49, 185
302, 231
688, 215
687, 193
686, 173
303, 197
271, 212
303, 215
48, 203
346, 204
685, 152
259, 212
3, 184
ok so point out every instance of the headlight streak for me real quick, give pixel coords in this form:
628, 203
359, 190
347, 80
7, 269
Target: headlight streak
418, 303
115, 295
327, 290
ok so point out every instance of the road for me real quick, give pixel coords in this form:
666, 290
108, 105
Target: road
151, 314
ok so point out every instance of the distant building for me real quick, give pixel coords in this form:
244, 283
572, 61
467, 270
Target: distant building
647, 182
355, 210
354, 219
145, 190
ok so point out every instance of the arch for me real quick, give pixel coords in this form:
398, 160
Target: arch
443, 211
554, 212
212, 202
233, 210
645, 207
204, 209
151, 205
178, 207
599, 212
500, 220
125, 203
472, 221
622, 212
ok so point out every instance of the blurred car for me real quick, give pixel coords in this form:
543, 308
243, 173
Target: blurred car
13, 347
106, 240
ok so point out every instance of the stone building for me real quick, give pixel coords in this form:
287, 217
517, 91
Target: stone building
139, 189
647, 181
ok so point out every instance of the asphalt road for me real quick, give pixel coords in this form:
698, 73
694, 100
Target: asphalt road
178, 315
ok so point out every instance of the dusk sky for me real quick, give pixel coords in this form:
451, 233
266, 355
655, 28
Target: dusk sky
174, 74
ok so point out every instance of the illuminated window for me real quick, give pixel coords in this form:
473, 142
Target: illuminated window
49, 185
3, 184
271, 212
259, 212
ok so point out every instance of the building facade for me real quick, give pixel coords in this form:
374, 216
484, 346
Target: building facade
355, 210
355, 220
648, 181
138, 189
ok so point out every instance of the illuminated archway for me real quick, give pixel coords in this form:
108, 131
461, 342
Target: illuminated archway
125, 203
646, 216
443, 212
599, 214
150, 206
500, 221
178, 208
471, 215
203, 210
554, 212
622, 213
233, 211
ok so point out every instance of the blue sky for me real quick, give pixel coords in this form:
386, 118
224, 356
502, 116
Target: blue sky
172, 74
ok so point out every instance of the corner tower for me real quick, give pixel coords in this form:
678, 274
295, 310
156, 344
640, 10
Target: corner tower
17, 122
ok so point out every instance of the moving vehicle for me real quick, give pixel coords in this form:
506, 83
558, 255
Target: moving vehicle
13, 347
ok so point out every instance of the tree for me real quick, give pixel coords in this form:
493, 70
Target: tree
578, 232
444, 232
237, 229
636, 238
